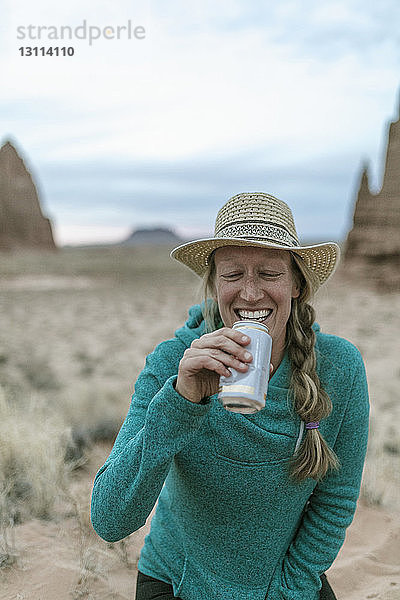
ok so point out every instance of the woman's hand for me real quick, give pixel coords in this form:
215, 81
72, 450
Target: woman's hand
207, 359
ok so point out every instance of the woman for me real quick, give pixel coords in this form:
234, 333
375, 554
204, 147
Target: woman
249, 506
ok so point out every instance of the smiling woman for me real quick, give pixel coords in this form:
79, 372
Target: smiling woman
250, 506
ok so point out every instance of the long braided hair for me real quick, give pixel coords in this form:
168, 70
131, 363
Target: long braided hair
314, 458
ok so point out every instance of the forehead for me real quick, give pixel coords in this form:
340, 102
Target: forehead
251, 255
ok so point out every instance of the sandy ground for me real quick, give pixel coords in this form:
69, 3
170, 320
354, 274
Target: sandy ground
56, 560
368, 565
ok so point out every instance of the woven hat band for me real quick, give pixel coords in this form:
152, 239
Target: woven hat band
258, 231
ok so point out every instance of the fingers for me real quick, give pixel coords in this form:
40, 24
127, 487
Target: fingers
227, 340
213, 359
197, 363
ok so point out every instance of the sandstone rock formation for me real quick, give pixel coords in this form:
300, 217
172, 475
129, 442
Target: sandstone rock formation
22, 224
374, 241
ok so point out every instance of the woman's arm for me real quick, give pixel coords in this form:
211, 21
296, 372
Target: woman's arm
332, 505
159, 424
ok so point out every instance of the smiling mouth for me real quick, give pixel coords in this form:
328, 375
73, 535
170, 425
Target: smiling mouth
253, 315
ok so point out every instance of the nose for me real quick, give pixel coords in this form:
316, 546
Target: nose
251, 291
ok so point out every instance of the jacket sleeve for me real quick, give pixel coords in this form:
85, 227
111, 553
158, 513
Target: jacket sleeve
159, 424
331, 507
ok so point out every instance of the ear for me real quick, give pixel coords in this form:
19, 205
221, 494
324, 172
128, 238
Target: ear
297, 278
295, 290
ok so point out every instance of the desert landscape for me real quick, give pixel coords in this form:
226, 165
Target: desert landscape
76, 326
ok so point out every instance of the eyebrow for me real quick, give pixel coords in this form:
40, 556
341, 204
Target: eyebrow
232, 263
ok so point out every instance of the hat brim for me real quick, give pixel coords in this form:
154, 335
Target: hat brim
322, 259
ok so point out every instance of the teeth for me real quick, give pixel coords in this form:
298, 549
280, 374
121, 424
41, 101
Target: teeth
254, 314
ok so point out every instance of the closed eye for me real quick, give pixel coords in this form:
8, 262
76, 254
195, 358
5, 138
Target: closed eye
271, 275
231, 276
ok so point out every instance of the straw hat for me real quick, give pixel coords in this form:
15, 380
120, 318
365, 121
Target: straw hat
258, 219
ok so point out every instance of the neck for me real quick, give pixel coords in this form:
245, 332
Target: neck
277, 355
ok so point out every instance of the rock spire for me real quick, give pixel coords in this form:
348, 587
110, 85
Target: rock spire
375, 236
22, 224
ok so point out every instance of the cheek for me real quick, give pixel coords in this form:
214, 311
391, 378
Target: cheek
283, 299
223, 295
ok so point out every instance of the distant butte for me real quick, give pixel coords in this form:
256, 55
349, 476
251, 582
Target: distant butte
155, 236
373, 244
22, 223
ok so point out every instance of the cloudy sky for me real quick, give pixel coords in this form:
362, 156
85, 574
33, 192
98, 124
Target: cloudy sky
208, 100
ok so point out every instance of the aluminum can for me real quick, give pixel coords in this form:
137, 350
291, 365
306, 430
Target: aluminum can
246, 392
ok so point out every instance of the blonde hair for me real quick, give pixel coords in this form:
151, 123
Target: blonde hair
314, 458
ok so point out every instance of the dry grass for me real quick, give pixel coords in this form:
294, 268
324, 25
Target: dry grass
33, 470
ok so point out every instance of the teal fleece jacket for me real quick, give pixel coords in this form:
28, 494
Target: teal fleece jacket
230, 524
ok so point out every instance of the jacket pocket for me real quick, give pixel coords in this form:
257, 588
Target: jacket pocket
253, 439
206, 584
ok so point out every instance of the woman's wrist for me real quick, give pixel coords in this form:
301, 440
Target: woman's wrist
184, 394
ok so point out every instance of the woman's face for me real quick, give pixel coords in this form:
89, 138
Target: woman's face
257, 284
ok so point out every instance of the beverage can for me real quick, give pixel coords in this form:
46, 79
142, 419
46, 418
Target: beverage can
245, 393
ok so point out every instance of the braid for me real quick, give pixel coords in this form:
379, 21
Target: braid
311, 402
300, 339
